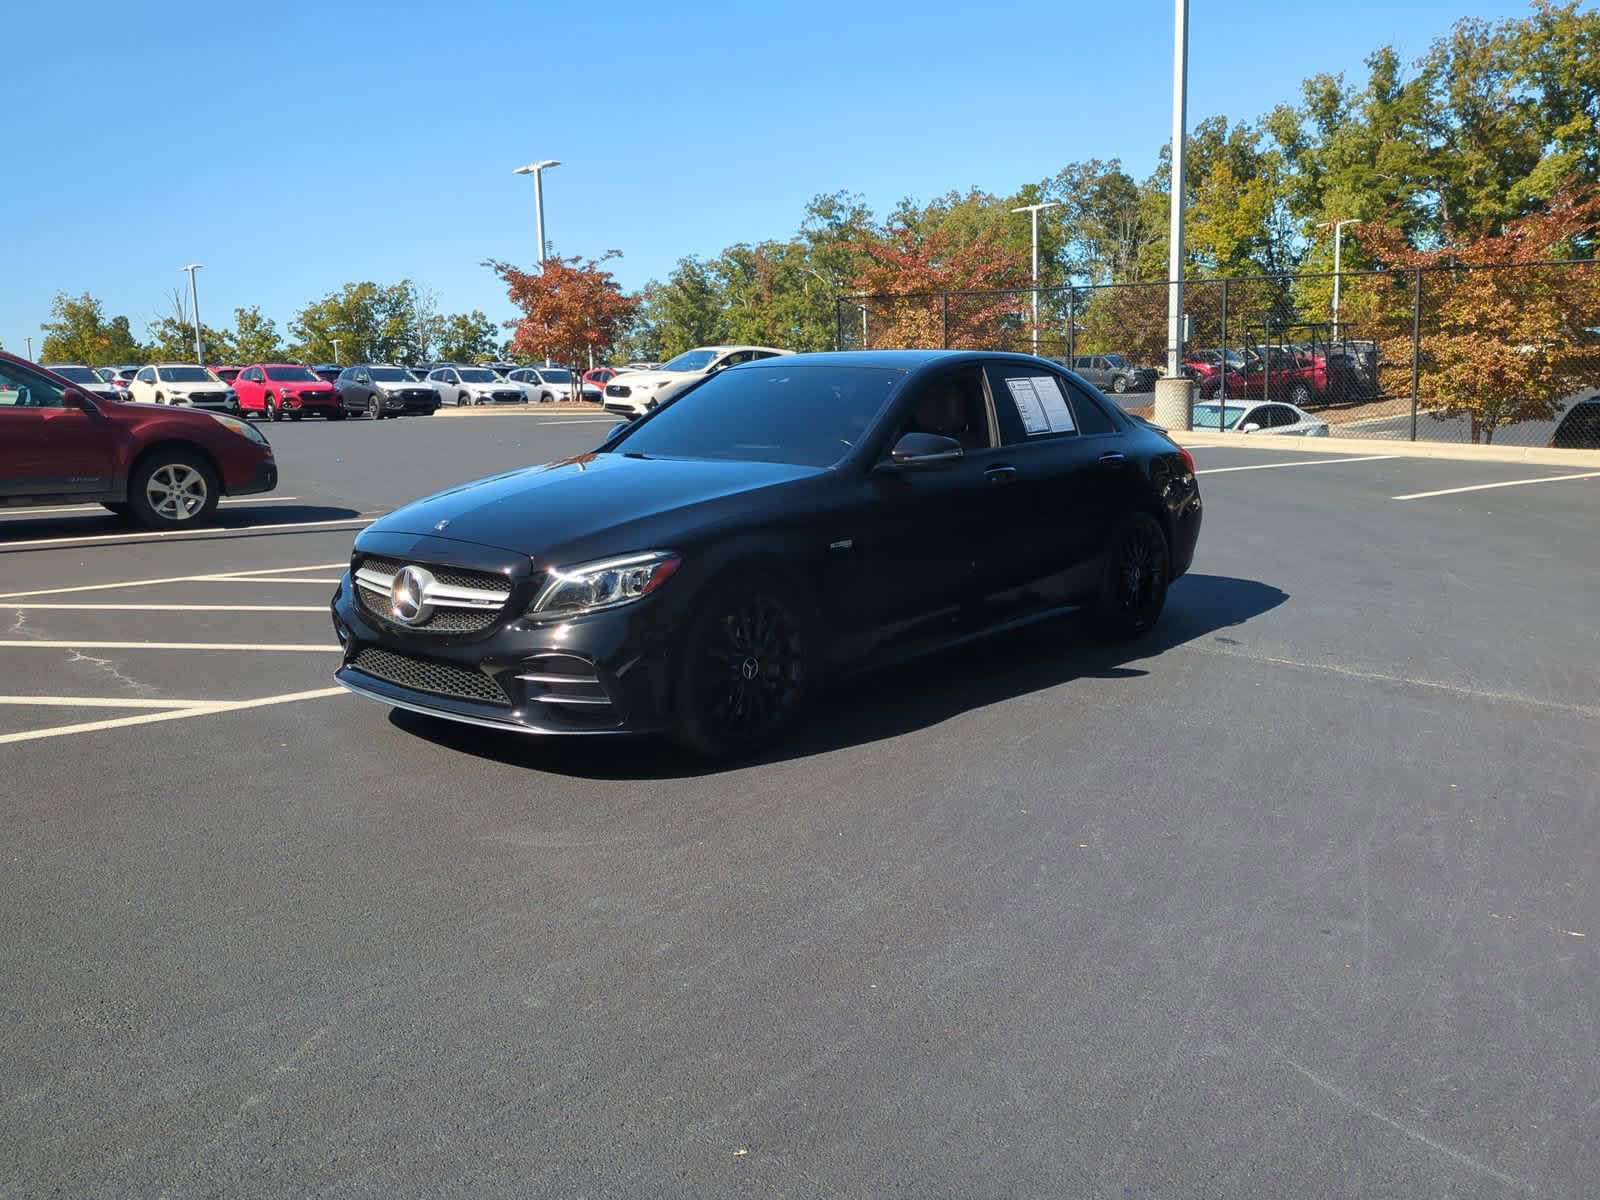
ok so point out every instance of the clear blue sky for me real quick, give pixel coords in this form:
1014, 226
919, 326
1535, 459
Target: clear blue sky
292, 146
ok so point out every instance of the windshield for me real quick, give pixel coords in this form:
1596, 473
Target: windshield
806, 416
478, 375
555, 375
690, 360
391, 375
186, 375
1211, 416
78, 374
292, 374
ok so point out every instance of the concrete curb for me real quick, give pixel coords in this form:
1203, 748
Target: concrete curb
1463, 453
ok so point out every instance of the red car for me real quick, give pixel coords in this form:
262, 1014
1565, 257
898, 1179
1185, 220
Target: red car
165, 466
278, 390
226, 373
600, 376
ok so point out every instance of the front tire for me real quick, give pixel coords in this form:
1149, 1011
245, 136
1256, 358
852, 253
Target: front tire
374, 409
1119, 385
1133, 586
1300, 395
270, 407
172, 489
749, 663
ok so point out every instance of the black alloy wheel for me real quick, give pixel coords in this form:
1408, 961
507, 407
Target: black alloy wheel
1133, 590
747, 668
374, 407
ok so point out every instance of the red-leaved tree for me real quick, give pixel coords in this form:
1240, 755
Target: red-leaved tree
908, 268
569, 308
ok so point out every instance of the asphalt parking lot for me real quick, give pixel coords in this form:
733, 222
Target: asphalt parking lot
1298, 897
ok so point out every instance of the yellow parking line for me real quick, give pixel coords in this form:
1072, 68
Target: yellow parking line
1484, 487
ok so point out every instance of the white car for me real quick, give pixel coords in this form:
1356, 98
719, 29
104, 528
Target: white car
182, 383
1247, 417
637, 392
544, 385
462, 386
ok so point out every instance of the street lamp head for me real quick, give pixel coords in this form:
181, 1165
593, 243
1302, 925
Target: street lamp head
191, 266
531, 168
1038, 207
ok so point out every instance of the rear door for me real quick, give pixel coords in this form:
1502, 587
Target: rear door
1068, 472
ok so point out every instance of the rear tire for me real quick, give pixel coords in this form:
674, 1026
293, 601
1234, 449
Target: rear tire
336, 414
172, 489
295, 416
1119, 384
1300, 395
749, 664
1133, 585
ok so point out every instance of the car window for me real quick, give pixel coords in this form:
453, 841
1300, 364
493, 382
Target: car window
802, 415
1029, 403
1090, 411
949, 405
147, 375
23, 389
1279, 416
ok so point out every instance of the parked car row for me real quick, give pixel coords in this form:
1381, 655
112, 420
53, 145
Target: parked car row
1299, 373
635, 393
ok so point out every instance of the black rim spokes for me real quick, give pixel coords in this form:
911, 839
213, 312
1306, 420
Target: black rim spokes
753, 667
1143, 569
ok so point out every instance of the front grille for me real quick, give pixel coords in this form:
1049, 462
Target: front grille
620, 390
454, 576
425, 675
443, 620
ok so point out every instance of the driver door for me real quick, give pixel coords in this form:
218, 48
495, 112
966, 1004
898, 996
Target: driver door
48, 448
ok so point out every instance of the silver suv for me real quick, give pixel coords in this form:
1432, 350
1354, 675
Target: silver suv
1112, 372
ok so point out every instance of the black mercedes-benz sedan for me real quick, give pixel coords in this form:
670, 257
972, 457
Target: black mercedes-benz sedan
711, 566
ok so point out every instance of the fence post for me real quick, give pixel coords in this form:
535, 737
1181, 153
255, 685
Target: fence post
1416, 348
945, 320
1222, 360
1072, 321
838, 323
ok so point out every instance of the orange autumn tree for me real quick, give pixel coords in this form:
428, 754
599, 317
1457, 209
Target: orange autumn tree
906, 270
1509, 341
569, 308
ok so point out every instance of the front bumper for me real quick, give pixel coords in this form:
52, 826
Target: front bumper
263, 479
606, 673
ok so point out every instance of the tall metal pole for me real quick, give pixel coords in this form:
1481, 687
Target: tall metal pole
1033, 211
30, 348
1338, 246
335, 342
1180, 99
194, 303
538, 212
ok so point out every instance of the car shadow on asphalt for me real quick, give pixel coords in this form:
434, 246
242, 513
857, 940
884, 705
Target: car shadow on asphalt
896, 700
228, 522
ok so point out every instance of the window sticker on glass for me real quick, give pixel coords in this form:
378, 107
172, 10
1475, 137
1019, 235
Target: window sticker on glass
1028, 406
1041, 405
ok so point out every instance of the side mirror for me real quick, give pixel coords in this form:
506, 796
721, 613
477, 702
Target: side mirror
1249, 427
76, 398
920, 450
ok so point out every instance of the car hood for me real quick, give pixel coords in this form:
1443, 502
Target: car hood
638, 380
539, 510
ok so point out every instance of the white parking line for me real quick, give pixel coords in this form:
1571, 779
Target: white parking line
1484, 487
100, 508
100, 702
263, 608
27, 643
211, 530
202, 708
214, 577
1313, 462
257, 579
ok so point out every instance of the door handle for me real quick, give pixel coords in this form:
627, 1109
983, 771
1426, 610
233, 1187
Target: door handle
1113, 458
1000, 474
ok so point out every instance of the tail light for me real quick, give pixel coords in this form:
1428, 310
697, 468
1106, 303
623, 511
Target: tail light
1188, 459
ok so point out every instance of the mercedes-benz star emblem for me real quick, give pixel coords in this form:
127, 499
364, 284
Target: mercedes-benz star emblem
408, 595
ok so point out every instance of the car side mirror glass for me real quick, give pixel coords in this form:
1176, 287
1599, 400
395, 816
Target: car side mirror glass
1249, 427
76, 398
919, 450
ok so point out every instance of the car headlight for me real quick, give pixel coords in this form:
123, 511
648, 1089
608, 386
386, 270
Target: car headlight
243, 428
569, 591
230, 394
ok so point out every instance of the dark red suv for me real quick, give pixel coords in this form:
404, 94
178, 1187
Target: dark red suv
164, 466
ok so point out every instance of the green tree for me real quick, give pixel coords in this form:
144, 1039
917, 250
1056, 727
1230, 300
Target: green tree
372, 322
255, 337
688, 309
78, 332
468, 337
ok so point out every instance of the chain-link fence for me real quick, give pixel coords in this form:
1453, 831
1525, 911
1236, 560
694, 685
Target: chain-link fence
1499, 353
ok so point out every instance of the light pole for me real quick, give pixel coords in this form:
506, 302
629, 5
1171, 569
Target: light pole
1033, 212
537, 170
29, 340
1174, 406
335, 342
194, 303
1338, 240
